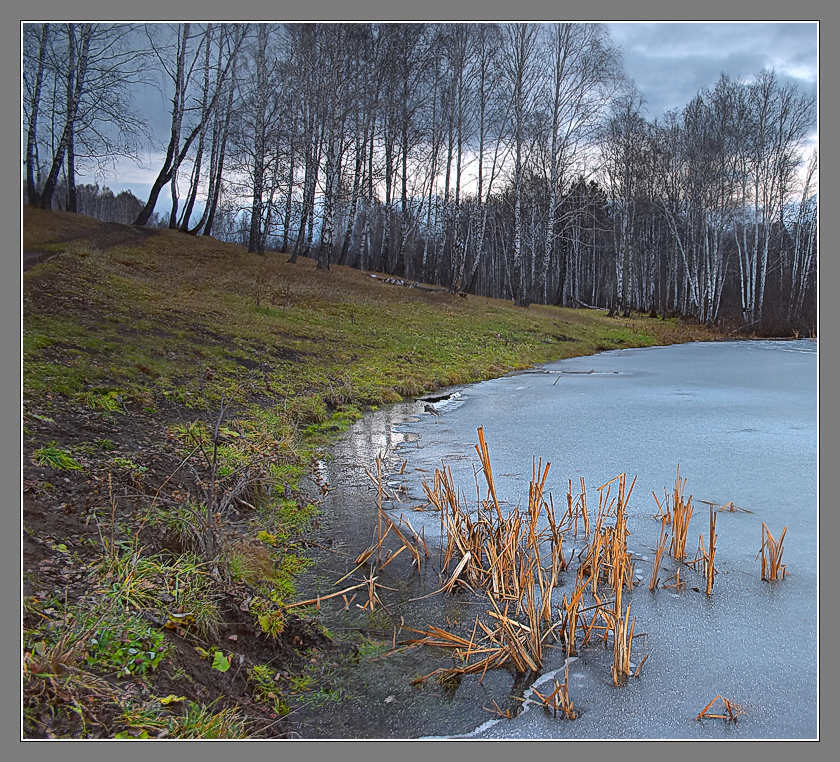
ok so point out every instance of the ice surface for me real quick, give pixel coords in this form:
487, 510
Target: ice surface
740, 418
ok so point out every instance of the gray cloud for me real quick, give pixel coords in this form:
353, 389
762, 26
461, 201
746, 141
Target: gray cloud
670, 62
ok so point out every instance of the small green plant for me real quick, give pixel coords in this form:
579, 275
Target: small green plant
326, 696
126, 464
221, 663
270, 617
53, 456
368, 648
300, 683
192, 433
268, 538
127, 646
236, 566
109, 402
264, 680
178, 520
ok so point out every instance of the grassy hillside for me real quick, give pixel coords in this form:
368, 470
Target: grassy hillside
175, 391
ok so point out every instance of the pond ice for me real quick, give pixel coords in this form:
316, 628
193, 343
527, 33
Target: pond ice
740, 418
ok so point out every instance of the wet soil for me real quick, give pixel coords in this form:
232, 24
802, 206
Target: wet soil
61, 546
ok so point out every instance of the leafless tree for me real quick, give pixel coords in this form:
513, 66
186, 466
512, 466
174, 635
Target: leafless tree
180, 72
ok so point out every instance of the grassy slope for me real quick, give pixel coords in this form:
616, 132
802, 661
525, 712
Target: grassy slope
150, 319
129, 337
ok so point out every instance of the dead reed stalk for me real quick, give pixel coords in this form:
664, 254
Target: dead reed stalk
559, 700
571, 613
622, 631
771, 555
682, 512
607, 554
582, 507
657, 559
484, 457
673, 582
709, 558
664, 513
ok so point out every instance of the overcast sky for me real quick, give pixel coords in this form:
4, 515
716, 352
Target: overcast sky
669, 62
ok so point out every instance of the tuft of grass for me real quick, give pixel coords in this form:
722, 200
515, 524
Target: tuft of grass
110, 401
177, 589
55, 457
199, 721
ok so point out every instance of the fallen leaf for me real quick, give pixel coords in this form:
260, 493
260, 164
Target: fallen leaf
221, 662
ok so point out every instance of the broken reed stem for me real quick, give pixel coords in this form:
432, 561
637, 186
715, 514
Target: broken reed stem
771, 555
657, 559
664, 514
559, 700
582, 504
733, 710
576, 508
320, 598
677, 584
484, 457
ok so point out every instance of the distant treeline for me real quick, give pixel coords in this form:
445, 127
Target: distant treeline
102, 204
510, 160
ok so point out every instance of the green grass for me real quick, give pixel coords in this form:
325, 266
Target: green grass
53, 456
186, 329
197, 721
177, 589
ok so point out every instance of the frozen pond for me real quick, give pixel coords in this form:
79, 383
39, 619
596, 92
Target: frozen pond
740, 419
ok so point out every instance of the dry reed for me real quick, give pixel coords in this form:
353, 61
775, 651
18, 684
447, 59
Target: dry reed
707, 557
559, 700
680, 513
515, 557
622, 632
657, 559
771, 555
733, 710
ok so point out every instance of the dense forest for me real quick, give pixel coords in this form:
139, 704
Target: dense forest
509, 160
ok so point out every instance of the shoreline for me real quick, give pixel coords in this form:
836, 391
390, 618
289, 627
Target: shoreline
478, 722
